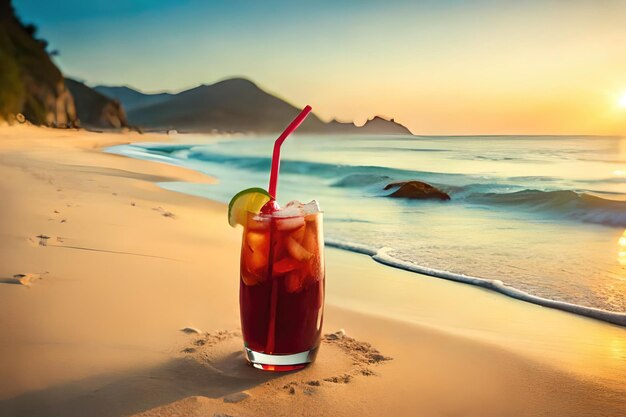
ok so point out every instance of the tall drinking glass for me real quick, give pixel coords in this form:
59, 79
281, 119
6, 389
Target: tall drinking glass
281, 294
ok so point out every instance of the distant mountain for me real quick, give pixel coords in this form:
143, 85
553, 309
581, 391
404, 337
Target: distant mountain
30, 83
380, 125
95, 110
132, 99
375, 126
232, 105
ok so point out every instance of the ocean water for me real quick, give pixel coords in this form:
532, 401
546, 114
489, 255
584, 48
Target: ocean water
541, 218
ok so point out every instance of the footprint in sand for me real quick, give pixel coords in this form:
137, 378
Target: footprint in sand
236, 397
341, 359
191, 330
43, 240
56, 216
164, 212
22, 279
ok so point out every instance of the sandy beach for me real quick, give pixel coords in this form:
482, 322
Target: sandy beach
101, 270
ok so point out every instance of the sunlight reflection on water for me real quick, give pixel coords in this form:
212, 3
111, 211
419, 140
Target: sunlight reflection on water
618, 349
621, 256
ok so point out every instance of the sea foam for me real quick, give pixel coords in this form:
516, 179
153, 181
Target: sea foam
382, 255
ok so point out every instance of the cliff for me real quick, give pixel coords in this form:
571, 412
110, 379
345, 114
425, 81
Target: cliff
95, 110
30, 83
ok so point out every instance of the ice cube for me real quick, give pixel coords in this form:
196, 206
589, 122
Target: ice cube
293, 281
248, 278
258, 242
294, 203
289, 223
285, 265
257, 261
309, 241
311, 207
297, 251
258, 223
298, 234
297, 209
289, 211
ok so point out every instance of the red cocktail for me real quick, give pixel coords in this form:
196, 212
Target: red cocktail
281, 295
282, 286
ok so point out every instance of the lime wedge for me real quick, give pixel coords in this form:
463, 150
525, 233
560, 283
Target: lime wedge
249, 200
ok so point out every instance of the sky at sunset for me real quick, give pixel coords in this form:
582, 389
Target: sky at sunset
439, 67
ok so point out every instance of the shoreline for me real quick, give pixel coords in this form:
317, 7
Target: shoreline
497, 286
99, 331
380, 255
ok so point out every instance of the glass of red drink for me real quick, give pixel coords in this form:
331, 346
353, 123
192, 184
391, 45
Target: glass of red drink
281, 292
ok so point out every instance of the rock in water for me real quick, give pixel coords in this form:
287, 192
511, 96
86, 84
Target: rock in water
416, 190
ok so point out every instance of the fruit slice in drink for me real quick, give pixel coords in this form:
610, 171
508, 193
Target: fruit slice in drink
250, 200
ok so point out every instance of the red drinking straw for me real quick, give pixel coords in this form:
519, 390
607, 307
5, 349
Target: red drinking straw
271, 328
276, 154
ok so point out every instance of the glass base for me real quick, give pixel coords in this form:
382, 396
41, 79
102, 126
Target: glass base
280, 363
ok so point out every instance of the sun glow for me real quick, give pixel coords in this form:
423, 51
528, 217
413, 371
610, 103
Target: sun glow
622, 100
